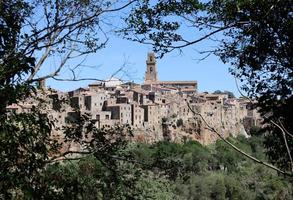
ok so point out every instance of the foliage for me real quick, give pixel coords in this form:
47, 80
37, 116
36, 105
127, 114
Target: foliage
88, 178
255, 131
260, 52
222, 172
196, 174
31, 33
157, 22
14, 65
23, 137
25, 145
254, 36
212, 186
174, 159
230, 94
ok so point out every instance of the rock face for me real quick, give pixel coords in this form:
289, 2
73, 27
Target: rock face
192, 117
196, 126
197, 129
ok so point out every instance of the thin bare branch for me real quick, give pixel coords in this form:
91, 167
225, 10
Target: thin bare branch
63, 155
74, 25
44, 56
286, 143
212, 129
286, 131
56, 72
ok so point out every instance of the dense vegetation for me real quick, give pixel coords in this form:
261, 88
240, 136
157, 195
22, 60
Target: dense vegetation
257, 42
173, 171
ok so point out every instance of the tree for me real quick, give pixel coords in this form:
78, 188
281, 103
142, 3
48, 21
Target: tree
230, 94
19, 166
35, 32
253, 36
31, 33
260, 52
14, 64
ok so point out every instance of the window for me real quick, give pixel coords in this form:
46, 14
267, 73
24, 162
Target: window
151, 69
107, 116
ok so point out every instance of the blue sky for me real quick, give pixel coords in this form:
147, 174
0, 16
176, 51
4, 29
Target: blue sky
210, 73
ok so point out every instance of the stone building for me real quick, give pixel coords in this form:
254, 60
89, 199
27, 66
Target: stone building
155, 110
137, 116
145, 106
151, 74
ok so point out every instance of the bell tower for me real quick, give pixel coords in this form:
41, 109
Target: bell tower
151, 74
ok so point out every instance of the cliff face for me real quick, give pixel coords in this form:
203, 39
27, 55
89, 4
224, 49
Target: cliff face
189, 119
192, 129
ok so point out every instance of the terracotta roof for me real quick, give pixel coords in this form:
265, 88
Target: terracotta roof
175, 82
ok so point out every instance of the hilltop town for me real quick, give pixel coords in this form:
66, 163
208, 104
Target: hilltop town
155, 110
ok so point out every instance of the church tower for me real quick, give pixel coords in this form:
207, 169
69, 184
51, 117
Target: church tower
151, 74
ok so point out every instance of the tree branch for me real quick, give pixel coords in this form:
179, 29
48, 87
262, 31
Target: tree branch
286, 143
236, 148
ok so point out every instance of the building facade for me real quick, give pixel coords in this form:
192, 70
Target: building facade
155, 110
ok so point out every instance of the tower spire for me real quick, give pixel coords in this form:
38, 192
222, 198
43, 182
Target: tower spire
151, 74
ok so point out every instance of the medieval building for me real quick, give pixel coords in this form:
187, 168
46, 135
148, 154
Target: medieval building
152, 83
156, 110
